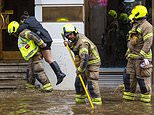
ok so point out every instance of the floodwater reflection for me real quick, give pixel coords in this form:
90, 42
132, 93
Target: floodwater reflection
32, 102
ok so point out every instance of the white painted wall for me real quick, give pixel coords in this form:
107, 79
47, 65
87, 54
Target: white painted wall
59, 51
59, 2
61, 55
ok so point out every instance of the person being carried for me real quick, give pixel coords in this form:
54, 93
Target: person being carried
87, 61
30, 22
30, 52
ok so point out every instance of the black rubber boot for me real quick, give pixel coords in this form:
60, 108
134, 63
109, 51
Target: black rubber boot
60, 75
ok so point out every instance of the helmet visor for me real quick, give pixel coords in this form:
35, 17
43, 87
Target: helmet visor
66, 34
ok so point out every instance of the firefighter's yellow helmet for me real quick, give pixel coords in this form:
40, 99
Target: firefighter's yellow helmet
12, 27
138, 12
68, 29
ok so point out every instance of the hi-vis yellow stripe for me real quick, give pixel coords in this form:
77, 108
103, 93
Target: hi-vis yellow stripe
26, 34
145, 54
134, 56
83, 50
147, 36
139, 30
97, 58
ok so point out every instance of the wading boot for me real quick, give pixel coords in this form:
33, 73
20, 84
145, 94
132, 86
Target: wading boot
29, 86
47, 87
97, 101
80, 98
60, 75
129, 96
146, 98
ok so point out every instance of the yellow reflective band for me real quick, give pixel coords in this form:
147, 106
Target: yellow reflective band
129, 94
128, 97
80, 96
95, 60
26, 34
145, 54
132, 56
139, 30
145, 100
147, 96
80, 70
96, 99
47, 86
147, 36
83, 50
41, 42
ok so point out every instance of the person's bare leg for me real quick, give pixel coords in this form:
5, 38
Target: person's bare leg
47, 56
54, 65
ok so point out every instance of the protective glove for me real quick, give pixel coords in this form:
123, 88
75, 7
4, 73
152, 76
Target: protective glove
65, 42
79, 71
144, 63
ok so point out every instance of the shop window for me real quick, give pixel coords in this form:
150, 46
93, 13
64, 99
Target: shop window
62, 14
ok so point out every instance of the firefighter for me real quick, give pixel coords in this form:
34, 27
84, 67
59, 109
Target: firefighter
139, 56
30, 51
87, 62
30, 22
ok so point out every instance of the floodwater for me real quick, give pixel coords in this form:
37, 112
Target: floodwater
35, 102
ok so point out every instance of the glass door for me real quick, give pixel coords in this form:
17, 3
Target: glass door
11, 10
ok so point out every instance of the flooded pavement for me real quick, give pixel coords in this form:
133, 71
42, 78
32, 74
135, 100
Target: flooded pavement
35, 102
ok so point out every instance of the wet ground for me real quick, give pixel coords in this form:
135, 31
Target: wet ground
35, 102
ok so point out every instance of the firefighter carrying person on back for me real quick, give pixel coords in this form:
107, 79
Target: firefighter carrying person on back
87, 61
139, 56
30, 22
31, 52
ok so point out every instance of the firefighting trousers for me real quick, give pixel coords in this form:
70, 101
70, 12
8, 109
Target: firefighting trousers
135, 74
90, 78
36, 71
